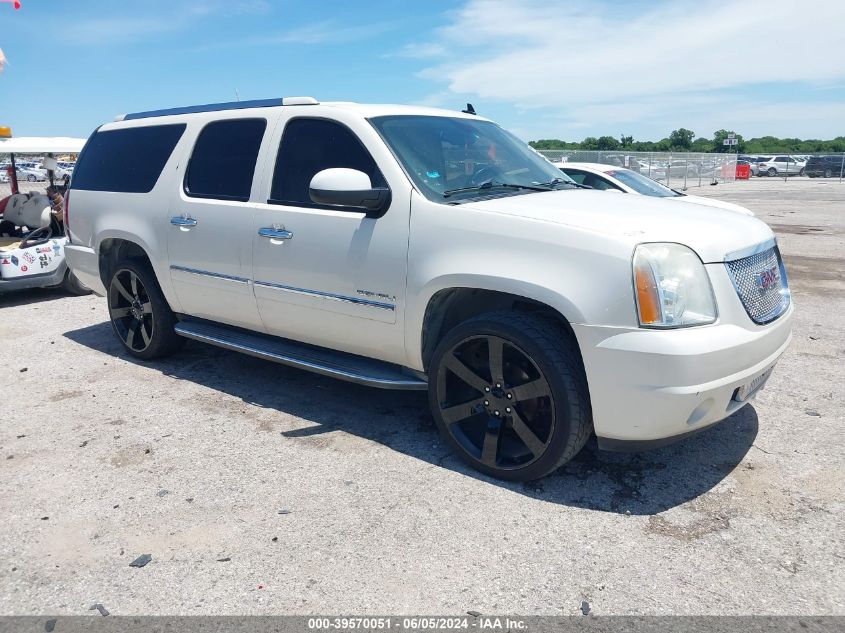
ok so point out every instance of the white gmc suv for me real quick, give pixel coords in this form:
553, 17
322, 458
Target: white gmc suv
413, 248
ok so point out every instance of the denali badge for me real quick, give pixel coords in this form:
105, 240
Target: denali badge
376, 295
768, 278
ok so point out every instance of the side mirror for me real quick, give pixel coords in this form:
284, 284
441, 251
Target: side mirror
349, 188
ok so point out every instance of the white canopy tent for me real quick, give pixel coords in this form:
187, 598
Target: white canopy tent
41, 145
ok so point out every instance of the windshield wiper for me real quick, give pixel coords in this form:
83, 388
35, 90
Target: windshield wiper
490, 185
564, 181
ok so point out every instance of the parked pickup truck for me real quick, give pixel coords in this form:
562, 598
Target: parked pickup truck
413, 248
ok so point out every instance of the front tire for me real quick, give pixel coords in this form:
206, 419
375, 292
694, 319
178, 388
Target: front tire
771, 172
509, 395
140, 316
828, 173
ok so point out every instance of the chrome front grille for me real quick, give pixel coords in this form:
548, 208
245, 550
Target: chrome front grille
760, 282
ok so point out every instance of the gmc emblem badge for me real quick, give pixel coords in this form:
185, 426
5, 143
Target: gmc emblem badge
768, 278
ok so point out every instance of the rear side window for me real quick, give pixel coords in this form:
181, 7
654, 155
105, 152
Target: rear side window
577, 176
311, 145
126, 161
223, 162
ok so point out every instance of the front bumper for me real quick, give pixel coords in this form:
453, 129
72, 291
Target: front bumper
651, 387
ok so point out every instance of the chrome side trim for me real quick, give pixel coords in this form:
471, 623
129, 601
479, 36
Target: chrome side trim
327, 295
751, 250
206, 273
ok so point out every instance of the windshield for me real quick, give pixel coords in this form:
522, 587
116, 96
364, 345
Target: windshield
643, 184
455, 159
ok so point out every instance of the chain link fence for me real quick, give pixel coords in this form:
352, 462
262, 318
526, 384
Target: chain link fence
673, 169
682, 170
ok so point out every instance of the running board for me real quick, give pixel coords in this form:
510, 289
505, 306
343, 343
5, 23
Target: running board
358, 369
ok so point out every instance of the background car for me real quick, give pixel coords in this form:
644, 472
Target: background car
612, 178
64, 169
824, 166
31, 174
781, 165
681, 168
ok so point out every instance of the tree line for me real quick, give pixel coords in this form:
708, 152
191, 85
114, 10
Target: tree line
684, 140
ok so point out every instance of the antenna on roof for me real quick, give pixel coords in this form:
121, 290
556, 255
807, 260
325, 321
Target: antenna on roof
469, 110
237, 96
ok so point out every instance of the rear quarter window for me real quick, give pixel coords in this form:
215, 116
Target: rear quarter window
127, 160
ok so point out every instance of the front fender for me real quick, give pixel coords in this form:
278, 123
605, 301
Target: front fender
584, 276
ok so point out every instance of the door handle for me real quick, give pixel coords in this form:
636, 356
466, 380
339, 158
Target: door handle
275, 234
183, 220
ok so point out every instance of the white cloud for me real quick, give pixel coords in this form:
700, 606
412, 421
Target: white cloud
598, 62
325, 32
156, 18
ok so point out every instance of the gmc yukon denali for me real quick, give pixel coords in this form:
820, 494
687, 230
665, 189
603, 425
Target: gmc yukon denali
412, 248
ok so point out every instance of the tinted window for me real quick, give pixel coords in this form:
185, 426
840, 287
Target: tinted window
576, 175
128, 160
597, 182
223, 161
312, 145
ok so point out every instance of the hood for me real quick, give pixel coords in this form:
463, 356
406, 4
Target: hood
711, 232
717, 204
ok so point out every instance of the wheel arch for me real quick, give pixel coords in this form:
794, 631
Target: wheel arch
452, 305
115, 247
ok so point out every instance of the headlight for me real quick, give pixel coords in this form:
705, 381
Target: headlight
672, 287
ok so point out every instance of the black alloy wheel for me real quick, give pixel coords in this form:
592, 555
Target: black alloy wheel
131, 310
509, 395
140, 316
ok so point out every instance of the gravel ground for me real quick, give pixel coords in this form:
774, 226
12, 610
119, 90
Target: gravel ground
259, 489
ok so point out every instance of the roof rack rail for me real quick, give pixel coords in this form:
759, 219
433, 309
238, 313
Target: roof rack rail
215, 107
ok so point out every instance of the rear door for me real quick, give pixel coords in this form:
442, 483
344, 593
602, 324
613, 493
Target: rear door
210, 222
337, 277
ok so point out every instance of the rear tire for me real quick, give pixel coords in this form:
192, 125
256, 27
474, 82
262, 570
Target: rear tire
72, 285
828, 173
509, 395
140, 316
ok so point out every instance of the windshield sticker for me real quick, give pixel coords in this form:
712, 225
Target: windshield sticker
433, 174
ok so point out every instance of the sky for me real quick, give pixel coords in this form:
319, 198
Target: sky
564, 69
